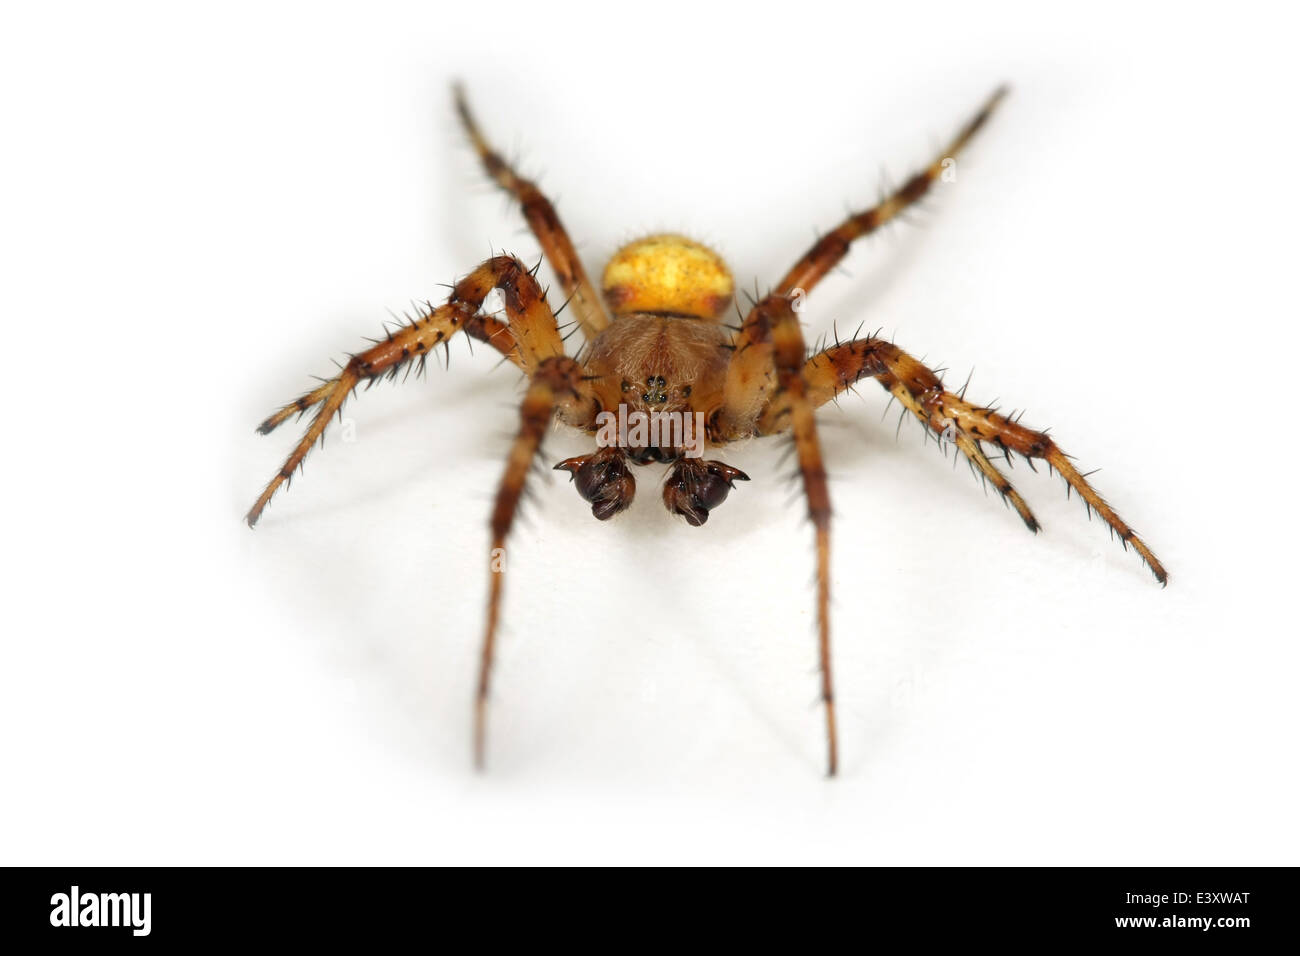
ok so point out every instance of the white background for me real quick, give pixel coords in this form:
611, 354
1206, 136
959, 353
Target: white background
202, 208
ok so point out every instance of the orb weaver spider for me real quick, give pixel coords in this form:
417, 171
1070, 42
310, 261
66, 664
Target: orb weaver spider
656, 346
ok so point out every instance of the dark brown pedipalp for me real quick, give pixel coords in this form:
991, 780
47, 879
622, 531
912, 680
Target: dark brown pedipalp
696, 487
603, 479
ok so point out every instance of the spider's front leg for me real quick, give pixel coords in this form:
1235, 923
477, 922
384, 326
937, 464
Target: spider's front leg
557, 386
407, 347
767, 365
921, 391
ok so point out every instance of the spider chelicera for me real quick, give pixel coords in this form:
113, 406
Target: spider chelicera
658, 355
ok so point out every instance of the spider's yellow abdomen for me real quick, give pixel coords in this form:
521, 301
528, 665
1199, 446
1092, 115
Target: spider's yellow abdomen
667, 273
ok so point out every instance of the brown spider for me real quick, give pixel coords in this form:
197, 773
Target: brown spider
658, 357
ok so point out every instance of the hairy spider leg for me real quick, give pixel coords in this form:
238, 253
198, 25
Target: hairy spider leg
406, 347
769, 360
545, 223
557, 385
921, 391
827, 251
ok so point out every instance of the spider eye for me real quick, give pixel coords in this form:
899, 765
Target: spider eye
627, 386
686, 391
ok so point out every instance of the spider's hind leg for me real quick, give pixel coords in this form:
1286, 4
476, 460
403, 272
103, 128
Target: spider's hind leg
827, 251
544, 222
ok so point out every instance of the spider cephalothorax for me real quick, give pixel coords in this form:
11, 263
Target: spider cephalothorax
661, 379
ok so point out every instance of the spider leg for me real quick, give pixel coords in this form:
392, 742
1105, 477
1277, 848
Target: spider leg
411, 343
827, 251
969, 447
557, 385
922, 392
545, 223
768, 364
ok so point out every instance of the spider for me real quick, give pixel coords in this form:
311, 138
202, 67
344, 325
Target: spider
656, 347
